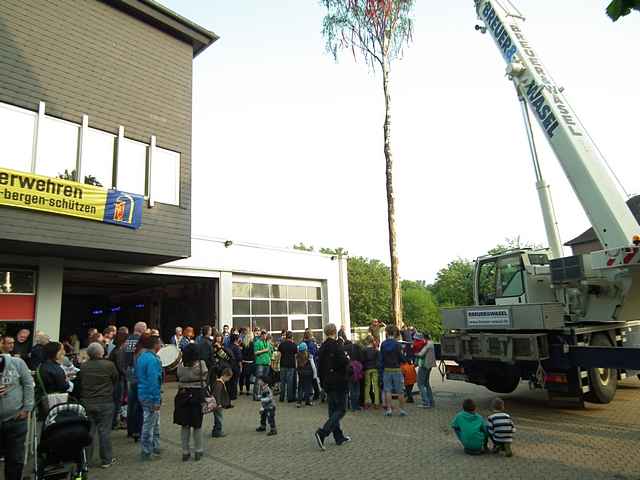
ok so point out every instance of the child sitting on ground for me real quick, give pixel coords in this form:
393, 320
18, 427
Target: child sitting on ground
470, 428
267, 411
501, 428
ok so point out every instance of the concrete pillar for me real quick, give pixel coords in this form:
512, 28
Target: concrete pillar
49, 296
345, 314
225, 302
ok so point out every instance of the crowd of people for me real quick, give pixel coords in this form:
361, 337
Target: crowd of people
118, 378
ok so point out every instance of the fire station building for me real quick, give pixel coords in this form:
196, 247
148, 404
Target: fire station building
95, 184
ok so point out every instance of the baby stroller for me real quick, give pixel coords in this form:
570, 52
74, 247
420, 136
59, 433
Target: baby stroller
60, 452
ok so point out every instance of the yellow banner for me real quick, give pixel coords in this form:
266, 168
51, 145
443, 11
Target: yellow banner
53, 195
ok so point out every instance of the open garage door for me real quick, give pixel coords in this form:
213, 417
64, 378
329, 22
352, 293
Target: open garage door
96, 299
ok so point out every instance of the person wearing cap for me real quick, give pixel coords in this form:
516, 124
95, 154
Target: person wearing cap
424, 351
262, 349
304, 365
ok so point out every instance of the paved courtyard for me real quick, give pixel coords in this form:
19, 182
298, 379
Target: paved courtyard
599, 442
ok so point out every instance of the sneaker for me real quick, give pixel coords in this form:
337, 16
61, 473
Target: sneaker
388, 412
261, 429
309, 404
218, 435
273, 431
320, 440
342, 441
186, 457
403, 413
108, 464
198, 456
299, 405
146, 457
157, 452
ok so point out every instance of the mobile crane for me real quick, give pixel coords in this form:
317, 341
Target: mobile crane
569, 325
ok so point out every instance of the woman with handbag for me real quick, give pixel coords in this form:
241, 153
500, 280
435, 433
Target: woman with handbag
188, 411
51, 381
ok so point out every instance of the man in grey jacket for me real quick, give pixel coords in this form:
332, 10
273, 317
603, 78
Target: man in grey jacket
16, 401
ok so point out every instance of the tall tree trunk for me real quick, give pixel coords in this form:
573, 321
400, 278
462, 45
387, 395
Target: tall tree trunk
396, 294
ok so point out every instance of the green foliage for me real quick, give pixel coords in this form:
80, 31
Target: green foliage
303, 247
454, 284
513, 243
339, 251
420, 308
621, 8
73, 176
374, 29
369, 291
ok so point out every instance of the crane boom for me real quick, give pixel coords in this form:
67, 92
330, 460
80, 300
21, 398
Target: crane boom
583, 165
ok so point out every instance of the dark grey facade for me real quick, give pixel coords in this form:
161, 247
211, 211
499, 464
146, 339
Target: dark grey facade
124, 62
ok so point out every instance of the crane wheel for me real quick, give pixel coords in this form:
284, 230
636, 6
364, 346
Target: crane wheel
603, 381
505, 380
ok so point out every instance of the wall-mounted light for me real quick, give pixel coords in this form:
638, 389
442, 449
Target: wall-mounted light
228, 243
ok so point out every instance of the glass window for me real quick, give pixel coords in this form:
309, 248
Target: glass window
239, 322
279, 323
511, 281
241, 307
259, 307
297, 293
132, 167
259, 290
97, 158
279, 307
315, 323
241, 290
17, 127
17, 281
314, 293
165, 176
262, 323
487, 283
315, 307
298, 325
278, 291
57, 149
298, 308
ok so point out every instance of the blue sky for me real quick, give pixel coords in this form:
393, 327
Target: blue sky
287, 143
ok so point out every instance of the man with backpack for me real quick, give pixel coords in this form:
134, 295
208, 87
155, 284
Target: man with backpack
333, 377
355, 374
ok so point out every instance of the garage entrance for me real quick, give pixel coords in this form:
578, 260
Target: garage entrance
96, 299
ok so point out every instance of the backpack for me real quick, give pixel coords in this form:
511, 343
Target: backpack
355, 372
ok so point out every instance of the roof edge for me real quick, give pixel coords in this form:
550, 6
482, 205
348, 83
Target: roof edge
153, 13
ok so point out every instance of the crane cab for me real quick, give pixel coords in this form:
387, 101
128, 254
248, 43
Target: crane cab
512, 278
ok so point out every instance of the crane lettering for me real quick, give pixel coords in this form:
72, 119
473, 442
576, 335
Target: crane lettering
492, 21
543, 110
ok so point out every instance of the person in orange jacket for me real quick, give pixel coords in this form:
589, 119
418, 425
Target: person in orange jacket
410, 378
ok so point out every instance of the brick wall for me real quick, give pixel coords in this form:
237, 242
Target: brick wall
86, 57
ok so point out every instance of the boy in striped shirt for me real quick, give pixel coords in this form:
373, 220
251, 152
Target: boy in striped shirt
501, 428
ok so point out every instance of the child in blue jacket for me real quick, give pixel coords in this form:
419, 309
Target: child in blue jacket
148, 371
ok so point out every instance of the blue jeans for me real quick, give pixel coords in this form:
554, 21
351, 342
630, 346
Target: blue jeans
150, 438
287, 382
337, 403
218, 418
354, 395
393, 382
426, 393
305, 388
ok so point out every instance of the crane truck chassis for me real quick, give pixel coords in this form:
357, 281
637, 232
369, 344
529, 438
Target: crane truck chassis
569, 325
